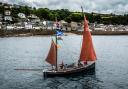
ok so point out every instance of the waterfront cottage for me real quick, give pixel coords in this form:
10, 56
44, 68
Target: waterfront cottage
74, 26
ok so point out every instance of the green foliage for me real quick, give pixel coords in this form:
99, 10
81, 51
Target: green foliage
77, 17
1, 9
43, 13
65, 14
68, 19
25, 9
15, 12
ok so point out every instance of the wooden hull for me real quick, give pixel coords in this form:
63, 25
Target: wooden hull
73, 71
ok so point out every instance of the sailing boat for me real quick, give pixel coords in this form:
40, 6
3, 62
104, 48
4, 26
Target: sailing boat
87, 57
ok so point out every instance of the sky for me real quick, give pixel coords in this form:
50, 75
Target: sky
98, 6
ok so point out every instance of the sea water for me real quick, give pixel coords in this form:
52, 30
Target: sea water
30, 53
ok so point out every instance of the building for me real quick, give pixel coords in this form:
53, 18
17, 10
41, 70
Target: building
28, 26
50, 25
7, 6
16, 6
92, 26
1, 17
33, 18
21, 15
100, 27
74, 26
64, 25
7, 13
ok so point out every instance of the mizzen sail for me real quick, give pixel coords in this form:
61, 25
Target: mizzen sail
51, 58
87, 50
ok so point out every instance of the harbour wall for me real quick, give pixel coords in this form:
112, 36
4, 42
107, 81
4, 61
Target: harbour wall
8, 33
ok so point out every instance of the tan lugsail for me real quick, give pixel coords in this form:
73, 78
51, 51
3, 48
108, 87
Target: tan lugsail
51, 58
87, 50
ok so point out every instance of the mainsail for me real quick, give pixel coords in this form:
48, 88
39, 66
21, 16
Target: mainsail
51, 58
87, 50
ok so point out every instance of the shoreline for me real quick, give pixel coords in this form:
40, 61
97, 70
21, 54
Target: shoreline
51, 32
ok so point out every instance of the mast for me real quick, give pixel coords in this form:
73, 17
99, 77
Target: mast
56, 46
56, 51
82, 12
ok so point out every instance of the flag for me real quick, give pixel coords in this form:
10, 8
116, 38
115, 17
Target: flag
57, 25
59, 33
58, 46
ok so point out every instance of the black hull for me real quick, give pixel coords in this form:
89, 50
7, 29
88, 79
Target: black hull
75, 72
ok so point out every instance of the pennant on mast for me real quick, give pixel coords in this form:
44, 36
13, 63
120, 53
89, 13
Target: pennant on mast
87, 50
51, 58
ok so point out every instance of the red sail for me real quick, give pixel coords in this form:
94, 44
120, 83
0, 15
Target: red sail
87, 51
51, 58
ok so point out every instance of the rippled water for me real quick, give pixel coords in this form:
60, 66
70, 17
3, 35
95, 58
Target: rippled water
30, 52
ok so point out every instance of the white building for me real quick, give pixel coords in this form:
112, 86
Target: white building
33, 18
74, 26
1, 17
7, 18
10, 27
28, 26
7, 12
22, 15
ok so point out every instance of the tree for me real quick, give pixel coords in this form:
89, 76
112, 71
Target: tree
97, 18
26, 10
68, 19
77, 17
34, 10
1, 9
43, 13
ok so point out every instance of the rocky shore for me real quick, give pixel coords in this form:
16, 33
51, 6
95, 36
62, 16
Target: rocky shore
19, 33
105, 32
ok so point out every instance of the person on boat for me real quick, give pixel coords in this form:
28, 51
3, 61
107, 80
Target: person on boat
62, 65
85, 62
79, 63
65, 66
71, 65
53, 67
